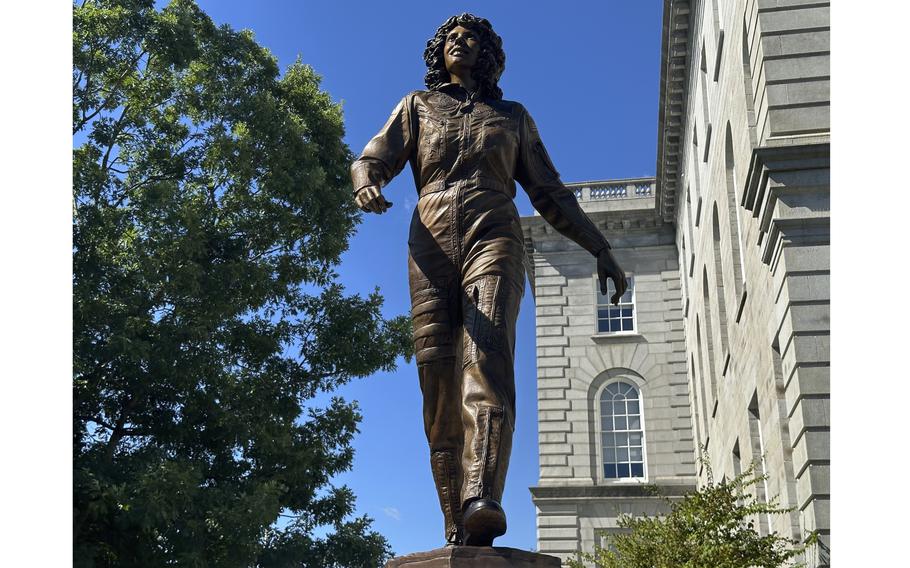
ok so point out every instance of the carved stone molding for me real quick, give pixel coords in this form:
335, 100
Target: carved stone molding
788, 191
613, 491
674, 74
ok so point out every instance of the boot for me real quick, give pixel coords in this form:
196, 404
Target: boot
486, 462
484, 520
444, 464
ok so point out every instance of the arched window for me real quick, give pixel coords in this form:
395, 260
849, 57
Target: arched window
715, 10
747, 84
733, 214
694, 385
701, 379
694, 169
684, 275
704, 101
622, 431
718, 37
690, 212
719, 293
709, 336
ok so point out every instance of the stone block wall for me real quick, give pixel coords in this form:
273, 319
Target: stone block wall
576, 504
753, 235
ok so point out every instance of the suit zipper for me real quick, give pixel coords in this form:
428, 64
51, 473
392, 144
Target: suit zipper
458, 197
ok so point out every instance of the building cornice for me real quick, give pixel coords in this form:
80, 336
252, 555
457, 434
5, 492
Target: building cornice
672, 108
618, 491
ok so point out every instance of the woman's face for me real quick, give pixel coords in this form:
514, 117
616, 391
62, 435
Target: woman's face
461, 49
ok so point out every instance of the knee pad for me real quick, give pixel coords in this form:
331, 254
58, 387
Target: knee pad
432, 322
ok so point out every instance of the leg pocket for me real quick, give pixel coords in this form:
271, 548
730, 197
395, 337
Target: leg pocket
486, 311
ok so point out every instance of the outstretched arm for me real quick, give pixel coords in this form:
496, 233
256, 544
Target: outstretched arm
539, 178
382, 159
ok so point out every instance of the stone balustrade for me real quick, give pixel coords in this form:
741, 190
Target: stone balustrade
614, 189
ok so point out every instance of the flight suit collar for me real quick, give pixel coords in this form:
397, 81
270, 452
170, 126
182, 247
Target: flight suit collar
459, 92
465, 99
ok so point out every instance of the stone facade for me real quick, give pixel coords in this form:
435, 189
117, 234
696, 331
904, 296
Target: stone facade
751, 181
576, 502
731, 263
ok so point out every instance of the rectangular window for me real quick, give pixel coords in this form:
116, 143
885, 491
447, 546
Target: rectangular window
604, 538
619, 318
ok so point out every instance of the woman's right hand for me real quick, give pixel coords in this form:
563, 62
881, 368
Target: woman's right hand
371, 200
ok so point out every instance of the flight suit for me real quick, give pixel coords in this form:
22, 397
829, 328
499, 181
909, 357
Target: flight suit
466, 270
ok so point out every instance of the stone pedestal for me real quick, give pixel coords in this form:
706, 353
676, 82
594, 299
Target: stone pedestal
474, 557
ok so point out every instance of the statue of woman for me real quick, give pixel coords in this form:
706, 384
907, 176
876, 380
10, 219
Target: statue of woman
467, 147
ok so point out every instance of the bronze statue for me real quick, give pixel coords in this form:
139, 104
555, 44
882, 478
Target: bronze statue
467, 147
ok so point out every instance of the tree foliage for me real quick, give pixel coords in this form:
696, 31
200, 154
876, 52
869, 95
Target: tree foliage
211, 203
713, 527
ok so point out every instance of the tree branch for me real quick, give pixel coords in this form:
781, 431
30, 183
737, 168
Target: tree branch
83, 103
113, 90
137, 185
118, 128
119, 430
78, 79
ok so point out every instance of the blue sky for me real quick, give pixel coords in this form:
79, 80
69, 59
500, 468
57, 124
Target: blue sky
589, 74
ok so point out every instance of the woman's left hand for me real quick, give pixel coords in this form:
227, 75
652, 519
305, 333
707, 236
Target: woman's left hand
607, 267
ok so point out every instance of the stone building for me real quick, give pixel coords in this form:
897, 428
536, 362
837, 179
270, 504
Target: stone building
727, 347
613, 403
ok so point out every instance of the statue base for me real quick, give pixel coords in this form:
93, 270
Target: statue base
474, 557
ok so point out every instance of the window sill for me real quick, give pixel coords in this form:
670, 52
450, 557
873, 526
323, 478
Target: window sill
618, 337
623, 481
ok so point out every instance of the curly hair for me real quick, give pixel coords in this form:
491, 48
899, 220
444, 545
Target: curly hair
491, 61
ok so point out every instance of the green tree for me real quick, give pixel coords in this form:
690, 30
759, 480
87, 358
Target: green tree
211, 203
713, 527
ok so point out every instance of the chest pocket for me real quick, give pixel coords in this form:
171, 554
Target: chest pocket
500, 132
431, 137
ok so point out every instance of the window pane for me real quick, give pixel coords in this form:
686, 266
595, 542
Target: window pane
615, 325
614, 312
627, 296
626, 312
603, 313
609, 454
635, 439
638, 470
622, 470
621, 439
619, 406
633, 407
620, 423
609, 470
622, 454
608, 424
634, 423
627, 325
612, 388
635, 454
